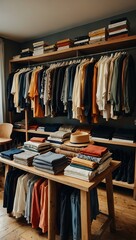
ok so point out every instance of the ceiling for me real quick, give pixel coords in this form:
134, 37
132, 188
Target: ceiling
22, 20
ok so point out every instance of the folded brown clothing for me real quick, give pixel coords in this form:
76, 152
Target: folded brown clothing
66, 153
71, 149
37, 139
97, 32
94, 150
84, 162
33, 127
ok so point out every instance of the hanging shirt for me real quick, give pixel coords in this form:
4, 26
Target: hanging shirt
33, 94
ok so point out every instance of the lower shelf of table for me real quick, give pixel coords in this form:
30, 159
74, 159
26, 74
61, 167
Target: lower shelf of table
122, 184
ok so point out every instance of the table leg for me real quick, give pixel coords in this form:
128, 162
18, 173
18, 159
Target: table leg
51, 210
85, 215
110, 201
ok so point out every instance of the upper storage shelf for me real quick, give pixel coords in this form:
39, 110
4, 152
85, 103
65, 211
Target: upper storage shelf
117, 44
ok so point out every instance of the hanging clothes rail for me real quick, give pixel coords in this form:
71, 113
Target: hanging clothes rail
47, 64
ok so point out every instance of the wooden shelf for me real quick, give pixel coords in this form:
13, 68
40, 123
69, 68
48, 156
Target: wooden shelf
122, 184
39, 132
61, 178
117, 44
127, 144
19, 130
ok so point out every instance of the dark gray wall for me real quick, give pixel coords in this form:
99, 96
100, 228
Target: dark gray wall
11, 48
83, 30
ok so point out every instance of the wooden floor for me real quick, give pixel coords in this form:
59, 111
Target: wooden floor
125, 210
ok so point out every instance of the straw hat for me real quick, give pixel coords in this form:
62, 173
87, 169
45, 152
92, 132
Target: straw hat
79, 139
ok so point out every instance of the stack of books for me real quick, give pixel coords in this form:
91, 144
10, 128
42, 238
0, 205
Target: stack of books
118, 29
97, 35
82, 40
26, 52
64, 44
39, 48
50, 48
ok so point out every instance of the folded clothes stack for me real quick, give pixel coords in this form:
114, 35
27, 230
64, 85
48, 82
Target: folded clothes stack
72, 147
19, 124
33, 127
96, 159
38, 139
97, 35
40, 128
9, 154
50, 48
70, 152
39, 147
81, 40
118, 28
50, 162
90, 161
79, 173
64, 44
39, 48
25, 158
67, 128
59, 137
26, 52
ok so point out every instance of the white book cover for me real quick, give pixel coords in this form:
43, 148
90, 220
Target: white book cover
124, 30
81, 41
117, 24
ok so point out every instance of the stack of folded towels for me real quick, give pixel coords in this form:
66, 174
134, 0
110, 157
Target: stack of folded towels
38, 145
9, 154
73, 146
97, 35
58, 137
50, 162
25, 158
90, 161
20, 156
61, 135
68, 151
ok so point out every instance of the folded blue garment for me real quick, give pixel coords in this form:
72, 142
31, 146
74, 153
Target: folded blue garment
8, 154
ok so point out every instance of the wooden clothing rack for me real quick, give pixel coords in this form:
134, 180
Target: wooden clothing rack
78, 52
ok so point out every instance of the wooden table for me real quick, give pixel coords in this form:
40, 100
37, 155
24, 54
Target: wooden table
84, 188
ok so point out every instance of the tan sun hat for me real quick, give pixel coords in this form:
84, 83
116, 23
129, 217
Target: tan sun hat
79, 139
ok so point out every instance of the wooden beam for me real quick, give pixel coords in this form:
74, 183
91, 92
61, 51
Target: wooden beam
110, 201
51, 210
85, 215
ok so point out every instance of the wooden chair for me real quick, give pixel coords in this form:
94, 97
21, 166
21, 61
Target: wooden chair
5, 134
